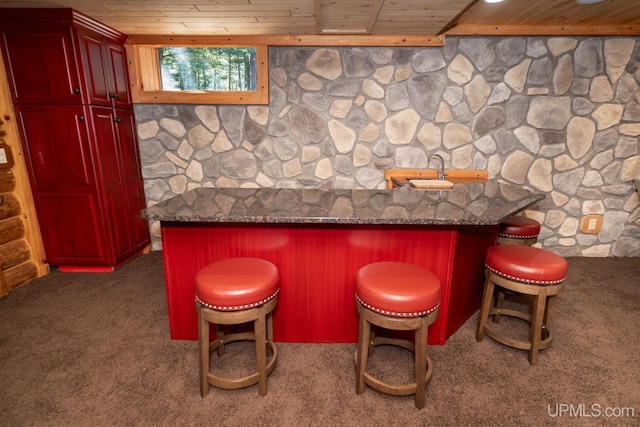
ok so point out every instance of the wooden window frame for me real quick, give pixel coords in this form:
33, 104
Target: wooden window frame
144, 74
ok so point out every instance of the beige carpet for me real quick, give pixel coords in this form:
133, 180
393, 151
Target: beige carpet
82, 349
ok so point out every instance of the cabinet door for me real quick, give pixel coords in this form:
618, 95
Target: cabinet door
133, 176
72, 228
129, 144
105, 69
119, 74
41, 67
113, 183
69, 207
57, 146
95, 68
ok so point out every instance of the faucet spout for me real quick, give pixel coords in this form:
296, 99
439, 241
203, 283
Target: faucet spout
441, 174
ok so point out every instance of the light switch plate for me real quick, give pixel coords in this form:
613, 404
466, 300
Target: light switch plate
591, 224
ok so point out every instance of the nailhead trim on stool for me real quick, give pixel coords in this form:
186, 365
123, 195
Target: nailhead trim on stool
519, 230
231, 292
527, 264
396, 296
238, 307
396, 314
522, 270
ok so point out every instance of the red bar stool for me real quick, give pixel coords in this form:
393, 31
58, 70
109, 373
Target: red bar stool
396, 296
231, 292
523, 270
518, 230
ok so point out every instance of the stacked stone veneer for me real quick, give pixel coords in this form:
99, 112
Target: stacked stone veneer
558, 115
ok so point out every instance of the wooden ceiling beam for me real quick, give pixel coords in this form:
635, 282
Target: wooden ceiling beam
289, 40
544, 30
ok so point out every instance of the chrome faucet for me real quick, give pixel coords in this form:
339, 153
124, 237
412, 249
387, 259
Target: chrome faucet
441, 174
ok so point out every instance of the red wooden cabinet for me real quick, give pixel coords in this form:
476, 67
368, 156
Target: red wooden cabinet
105, 70
69, 84
58, 154
132, 176
120, 174
57, 146
41, 65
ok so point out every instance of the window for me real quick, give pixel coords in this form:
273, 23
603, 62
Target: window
198, 74
207, 68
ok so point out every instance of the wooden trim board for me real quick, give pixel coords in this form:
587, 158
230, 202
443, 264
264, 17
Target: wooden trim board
404, 175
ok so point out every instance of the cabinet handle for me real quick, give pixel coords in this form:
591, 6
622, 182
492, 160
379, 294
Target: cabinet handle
117, 120
76, 90
81, 118
113, 95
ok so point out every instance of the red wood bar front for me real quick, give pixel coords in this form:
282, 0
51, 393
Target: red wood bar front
318, 264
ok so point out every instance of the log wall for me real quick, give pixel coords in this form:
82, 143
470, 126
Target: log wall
22, 256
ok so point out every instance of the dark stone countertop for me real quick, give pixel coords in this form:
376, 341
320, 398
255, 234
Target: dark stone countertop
465, 204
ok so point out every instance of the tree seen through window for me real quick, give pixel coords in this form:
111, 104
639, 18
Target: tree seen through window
208, 68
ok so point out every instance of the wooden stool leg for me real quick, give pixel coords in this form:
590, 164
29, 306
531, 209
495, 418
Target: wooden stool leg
269, 333
421, 362
203, 346
363, 350
260, 327
538, 312
484, 308
548, 313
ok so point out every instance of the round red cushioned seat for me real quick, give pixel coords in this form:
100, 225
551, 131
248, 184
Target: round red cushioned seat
519, 227
236, 284
398, 289
526, 264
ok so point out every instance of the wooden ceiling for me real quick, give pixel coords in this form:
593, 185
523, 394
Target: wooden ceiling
355, 17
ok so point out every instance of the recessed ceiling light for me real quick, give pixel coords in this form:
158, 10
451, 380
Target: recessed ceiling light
589, 1
493, 1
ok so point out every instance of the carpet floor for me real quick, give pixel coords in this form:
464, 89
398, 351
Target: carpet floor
81, 349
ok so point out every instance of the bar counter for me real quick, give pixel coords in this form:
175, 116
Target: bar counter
318, 239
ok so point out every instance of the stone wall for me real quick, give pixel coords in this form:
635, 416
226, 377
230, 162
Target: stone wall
559, 115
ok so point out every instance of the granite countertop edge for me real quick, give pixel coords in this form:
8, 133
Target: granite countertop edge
288, 206
320, 220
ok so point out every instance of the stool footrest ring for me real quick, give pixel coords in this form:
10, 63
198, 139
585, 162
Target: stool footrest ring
241, 382
395, 389
545, 342
510, 313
